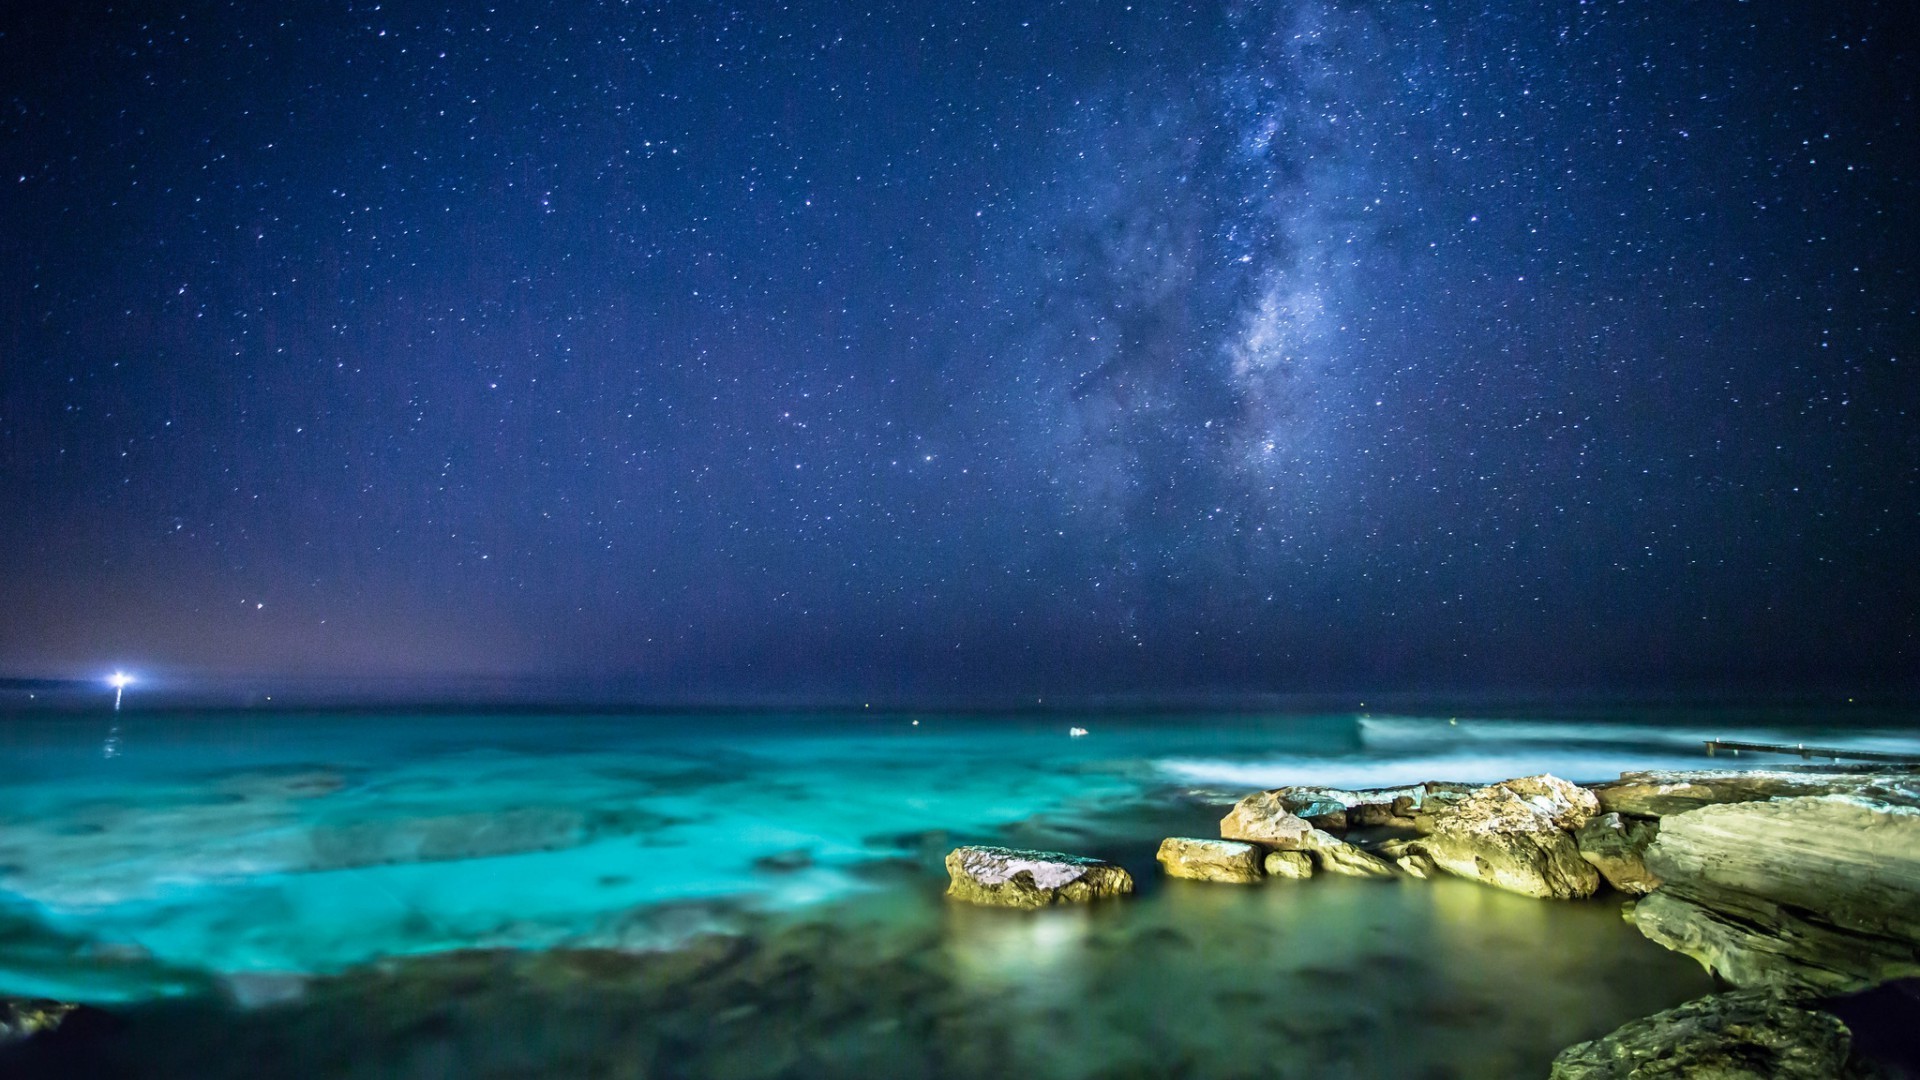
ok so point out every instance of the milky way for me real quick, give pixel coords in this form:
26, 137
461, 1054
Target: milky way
986, 351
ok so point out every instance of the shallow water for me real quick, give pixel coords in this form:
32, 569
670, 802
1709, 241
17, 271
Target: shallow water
221, 879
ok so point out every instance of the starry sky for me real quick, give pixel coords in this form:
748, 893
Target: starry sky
1000, 349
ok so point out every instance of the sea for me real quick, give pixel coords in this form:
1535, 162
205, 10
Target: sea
434, 893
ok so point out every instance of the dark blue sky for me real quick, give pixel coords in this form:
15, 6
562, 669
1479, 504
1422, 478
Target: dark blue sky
973, 348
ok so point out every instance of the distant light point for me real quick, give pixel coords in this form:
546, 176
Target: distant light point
119, 680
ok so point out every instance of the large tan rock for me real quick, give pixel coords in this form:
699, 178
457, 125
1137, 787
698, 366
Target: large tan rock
1263, 818
1010, 877
1816, 893
1210, 860
1517, 835
1616, 846
1658, 793
1745, 1035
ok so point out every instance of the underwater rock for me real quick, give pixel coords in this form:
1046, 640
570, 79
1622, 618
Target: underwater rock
1210, 860
1616, 847
785, 862
263, 989
274, 785
377, 842
1516, 835
1009, 877
1264, 818
1659, 793
1816, 892
23, 1018
1292, 865
1336, 856
1746, 1035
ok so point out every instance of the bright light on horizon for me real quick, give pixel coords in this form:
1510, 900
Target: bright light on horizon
119, 681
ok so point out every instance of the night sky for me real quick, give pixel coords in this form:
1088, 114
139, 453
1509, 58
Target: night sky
919, 349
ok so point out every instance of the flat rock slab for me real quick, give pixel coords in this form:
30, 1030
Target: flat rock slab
1011, 877
1226, 861
1747, 1035
1812, 893
1659, 793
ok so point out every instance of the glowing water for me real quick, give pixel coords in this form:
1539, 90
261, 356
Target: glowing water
217, 846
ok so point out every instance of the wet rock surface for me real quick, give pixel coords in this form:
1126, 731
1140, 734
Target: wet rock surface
1816, 892
1013, 877
1616, 846
1517, 835
1227, 861
1751, 1035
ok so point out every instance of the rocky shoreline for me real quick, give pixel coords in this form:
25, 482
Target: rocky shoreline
1788, 885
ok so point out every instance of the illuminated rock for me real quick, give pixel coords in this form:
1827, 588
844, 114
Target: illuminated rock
1264, 818
1292, 865
1008, 877
24, 1018
1816, 893
1210, 860
1517, 835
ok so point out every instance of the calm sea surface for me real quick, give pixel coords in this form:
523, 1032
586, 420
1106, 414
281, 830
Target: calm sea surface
434, 895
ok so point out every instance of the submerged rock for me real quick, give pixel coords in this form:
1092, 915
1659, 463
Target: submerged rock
1817, 892
1516, 835
1210, 860
443, 837
1009, 877
1616, 847
1659, 793
1291, 865
1264, 818
1749, 1035
23, 1018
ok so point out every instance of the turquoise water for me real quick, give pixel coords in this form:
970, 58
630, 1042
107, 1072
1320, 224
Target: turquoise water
257, 866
